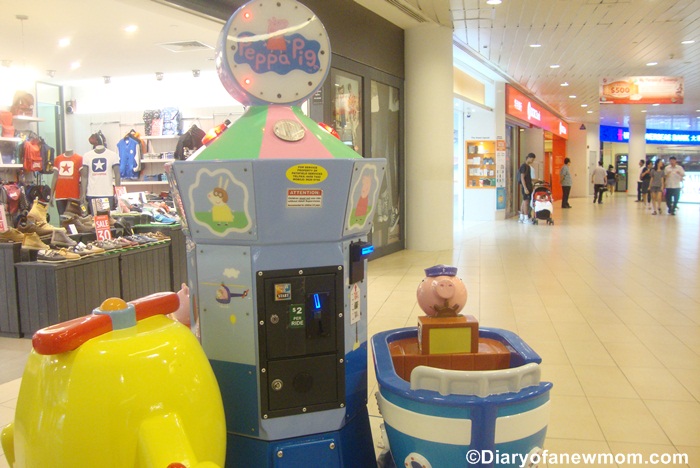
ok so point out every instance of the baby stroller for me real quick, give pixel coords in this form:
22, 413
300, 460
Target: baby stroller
541, 202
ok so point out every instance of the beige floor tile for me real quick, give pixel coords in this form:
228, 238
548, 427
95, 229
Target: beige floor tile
690, 379
614, 333
604, 381
565, 315
568, 331
566, 410
693, 454
636, 454
587, 353
627, 420
680, 420
565, 381
552, 352
656, 384
536, 331
560, 452
632, 354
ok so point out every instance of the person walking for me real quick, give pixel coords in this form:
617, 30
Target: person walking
525, 177
673, 176
645, 178
565, 179
639, 182
598, 179
611, 176
656, 186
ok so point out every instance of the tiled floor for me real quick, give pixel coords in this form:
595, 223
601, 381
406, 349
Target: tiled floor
609, 297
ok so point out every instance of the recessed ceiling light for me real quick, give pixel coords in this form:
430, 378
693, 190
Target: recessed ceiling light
688, 42
75, 65
564, 84
584, 105
64, 42
651, 64
534, 46
554, 66
573, 96
131, 28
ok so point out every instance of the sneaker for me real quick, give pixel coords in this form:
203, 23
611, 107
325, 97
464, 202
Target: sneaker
50, 256
67, 255
157, 235
94, 249
125, 243
32, 241
79, 226
60, 238
104, 245
12, 235
79, 249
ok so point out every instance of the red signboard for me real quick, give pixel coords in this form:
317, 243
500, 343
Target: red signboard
102, 227
520, 106
642, 90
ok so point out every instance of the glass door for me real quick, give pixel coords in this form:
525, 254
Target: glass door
49, 108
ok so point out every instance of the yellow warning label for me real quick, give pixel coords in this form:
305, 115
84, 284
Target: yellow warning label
307, 174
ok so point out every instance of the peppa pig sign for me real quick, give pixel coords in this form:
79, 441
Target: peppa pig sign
264, 41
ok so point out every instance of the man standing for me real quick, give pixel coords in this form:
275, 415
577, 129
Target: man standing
673, 176
565, 178
526, 188
639, 182
598, 179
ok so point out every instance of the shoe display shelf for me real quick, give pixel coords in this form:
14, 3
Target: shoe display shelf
145, 270
9, 308
53, 293
177, 250
50, 293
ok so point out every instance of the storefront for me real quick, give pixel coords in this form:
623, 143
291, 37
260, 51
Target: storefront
530, 128
660, 144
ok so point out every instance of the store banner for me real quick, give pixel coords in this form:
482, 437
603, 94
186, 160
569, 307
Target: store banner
522, 107
642, 90
652, 137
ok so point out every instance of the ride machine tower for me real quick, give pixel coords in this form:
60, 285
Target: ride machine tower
277, 213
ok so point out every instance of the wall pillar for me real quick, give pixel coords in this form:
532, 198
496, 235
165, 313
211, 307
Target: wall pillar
638, 150
429, 138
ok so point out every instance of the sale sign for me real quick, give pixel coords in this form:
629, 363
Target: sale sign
102, 230
642, 90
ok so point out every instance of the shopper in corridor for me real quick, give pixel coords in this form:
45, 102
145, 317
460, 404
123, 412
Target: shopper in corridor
565, 178
673, 175
598, 179
526, 187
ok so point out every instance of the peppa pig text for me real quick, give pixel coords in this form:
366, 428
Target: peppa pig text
298, 53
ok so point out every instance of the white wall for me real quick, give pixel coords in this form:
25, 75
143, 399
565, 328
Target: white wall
117, 107
577, 148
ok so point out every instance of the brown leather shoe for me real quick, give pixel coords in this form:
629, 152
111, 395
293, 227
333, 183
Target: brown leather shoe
11, 235
79, 226
29, 225
33, 242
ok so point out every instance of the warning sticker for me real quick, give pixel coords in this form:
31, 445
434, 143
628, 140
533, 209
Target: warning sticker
304, 198
307, 174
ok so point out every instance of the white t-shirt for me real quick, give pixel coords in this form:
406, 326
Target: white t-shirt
100, 172
674, 176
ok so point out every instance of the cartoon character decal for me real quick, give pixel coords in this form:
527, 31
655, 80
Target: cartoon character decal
227, 208
221, 214
362, 196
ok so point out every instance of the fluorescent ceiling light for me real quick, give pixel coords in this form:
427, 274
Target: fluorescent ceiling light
589, 112
564, 84
584, 105
651, 64
688, 42
535, 46
554, 66
494, 2
573, 96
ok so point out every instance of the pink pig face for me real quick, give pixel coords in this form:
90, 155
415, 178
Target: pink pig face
442, 296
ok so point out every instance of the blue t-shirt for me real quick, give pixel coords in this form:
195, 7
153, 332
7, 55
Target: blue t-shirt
128, 152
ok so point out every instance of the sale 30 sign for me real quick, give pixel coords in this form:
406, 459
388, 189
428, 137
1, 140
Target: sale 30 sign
642, 90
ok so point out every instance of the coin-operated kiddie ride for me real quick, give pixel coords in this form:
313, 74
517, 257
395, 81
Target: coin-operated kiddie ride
451, 392
277, 213
122, 387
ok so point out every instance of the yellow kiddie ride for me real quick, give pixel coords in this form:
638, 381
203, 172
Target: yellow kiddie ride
125, 386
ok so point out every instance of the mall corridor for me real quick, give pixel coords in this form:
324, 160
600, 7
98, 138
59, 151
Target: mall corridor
609, 297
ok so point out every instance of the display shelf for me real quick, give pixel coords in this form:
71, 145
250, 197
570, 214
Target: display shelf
151, 161
12, 139
11, 166
144, 182
480, 164
160, 137
26, 118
